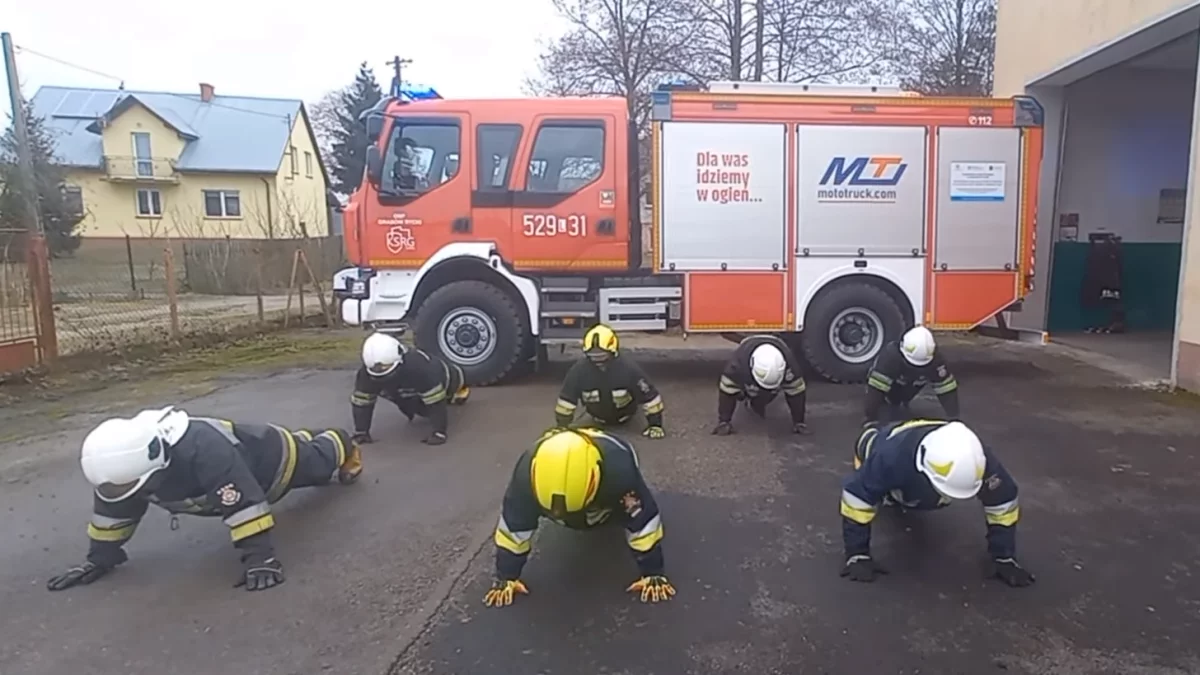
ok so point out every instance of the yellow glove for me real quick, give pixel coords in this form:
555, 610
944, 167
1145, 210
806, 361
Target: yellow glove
503, 592
653, 589
654, 432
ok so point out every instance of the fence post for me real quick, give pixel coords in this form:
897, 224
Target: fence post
287, 309
129, 262
169, 267
38, 264
320, 291
258, 285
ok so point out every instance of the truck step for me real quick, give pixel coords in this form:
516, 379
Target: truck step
552, 285
559, 335
640, 307
568, 308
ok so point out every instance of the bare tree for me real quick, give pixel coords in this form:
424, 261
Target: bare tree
948, 46
827, 40
323, 113
616, 48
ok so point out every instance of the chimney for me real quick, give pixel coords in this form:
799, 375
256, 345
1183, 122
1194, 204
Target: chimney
206, 92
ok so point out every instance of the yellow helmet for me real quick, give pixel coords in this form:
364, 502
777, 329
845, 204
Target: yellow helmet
600, 343
565, 472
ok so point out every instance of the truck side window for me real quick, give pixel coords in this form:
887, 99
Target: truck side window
495, 146
566, 156
421, 155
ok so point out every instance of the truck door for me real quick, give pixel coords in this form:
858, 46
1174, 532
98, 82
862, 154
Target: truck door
424, 199
566, 214
496, 148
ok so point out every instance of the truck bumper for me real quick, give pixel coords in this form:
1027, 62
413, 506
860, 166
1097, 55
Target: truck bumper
373, 296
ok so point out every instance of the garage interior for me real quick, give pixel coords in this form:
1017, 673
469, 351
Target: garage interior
1123, 158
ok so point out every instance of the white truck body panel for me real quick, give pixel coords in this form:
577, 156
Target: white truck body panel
723, 196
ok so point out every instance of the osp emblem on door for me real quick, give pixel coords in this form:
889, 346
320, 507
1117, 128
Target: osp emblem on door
400, 239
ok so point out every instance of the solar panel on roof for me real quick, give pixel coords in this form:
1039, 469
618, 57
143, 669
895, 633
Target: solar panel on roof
100, 103
72, 104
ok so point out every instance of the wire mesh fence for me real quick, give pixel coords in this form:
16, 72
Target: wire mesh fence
17, 321
111, 295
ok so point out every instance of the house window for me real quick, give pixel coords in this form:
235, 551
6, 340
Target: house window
142, 162
292, 153
308, 164
222, 204
149, 203
72, 199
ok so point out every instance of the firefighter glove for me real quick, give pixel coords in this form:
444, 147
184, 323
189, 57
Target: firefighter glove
502, 593
1010, 572
862, 568
654, 431
79, 575
723, 429
260, 576
653, 588
362, 437
800, 428
436, 438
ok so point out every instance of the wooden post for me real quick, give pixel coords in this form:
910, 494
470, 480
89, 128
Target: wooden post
287, 309
320, 291
300, 291
258, 285
169, 268
38, 268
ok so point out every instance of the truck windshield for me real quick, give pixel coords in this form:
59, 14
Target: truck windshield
420, 157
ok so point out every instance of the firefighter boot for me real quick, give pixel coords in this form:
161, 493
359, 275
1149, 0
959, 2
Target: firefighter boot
460, 397
352, 468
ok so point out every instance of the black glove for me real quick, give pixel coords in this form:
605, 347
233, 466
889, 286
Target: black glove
81, 575
1010, 572
436, 438
723, 429
259, 576
800, 428
862, 568
362, 437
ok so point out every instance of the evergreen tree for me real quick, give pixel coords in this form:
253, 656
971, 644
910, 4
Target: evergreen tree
61, 208
349, 134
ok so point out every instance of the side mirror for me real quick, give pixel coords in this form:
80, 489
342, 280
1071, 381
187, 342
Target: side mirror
374, 164
374, 126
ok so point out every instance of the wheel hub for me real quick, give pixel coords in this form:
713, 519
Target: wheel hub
467, 336
856, 334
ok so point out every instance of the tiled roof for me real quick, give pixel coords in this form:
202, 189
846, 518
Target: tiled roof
228, 133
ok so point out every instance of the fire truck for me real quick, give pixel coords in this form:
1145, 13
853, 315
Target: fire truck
835, 216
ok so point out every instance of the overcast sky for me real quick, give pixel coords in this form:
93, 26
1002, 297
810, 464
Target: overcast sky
463, 48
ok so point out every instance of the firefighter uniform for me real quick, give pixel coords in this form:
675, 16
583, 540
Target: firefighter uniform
610, 394
616, 494
419, 384
886, 461
229, 470
894, 382
738, 383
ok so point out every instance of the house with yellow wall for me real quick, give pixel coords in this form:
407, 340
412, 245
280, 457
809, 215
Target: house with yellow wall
187, 166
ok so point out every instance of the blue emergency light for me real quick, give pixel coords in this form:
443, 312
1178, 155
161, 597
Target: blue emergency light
410, 91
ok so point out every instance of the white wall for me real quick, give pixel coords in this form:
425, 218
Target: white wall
1128, 135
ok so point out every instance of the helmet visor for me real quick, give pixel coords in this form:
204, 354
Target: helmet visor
381, 369
598, 356
115, 492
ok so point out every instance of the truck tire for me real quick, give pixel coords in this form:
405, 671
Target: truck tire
475, 325
845, 328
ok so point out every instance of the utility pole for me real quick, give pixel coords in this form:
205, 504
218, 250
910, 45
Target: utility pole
21, 131
397, 63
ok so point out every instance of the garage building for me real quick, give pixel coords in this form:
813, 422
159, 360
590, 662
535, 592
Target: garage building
1117, 79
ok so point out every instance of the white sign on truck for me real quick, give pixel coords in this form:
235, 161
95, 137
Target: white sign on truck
977, 181
722, 196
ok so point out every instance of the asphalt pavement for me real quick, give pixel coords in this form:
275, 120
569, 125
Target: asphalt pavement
387, 576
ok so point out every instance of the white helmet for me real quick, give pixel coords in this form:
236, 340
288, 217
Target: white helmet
767, 365
120, 455
382, 353
917, 346
951, 456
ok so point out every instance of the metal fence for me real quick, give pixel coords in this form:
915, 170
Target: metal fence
114, 294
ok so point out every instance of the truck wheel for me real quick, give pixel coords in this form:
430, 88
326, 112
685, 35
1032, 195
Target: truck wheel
475, 325
846, 327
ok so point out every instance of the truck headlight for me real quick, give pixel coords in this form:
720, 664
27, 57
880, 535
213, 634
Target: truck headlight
358, 288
